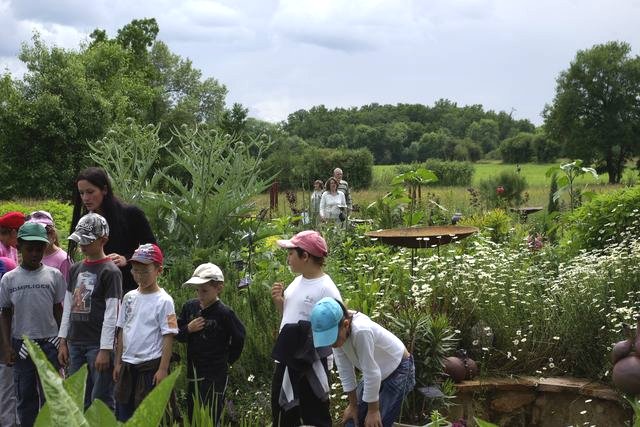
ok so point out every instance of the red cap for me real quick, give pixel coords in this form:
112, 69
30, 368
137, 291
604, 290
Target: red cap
309, 240
148, 253
12, 220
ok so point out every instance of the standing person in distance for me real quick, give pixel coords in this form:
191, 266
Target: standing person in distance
87, 331
343, 186
128, 225
332, 202
314, 206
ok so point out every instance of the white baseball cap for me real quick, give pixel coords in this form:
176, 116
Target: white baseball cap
205, 273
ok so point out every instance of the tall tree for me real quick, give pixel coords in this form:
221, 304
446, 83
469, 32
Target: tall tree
595, 114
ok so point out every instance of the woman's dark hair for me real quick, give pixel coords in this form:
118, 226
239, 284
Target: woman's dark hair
327, 185
316, 259
111, 208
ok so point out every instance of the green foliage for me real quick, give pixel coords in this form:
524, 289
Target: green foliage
61, 212
407, 132
70, 97
449, 173
495, 224
503, 190
65, 399
604, 220
571, 171
298, 164
594, 112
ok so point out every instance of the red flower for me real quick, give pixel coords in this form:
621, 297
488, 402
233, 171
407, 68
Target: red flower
500, 190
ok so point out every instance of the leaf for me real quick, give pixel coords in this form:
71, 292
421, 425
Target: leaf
549, 173
483, 423
63, 409
99, 414
76, 384
44, 416
563, 181
152, 408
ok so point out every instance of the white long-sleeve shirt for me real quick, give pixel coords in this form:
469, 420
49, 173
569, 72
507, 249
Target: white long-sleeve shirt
329, 205
372, 349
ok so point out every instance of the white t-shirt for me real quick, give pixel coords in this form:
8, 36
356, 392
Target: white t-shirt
329, 204
302, 294
144, 319
372, 349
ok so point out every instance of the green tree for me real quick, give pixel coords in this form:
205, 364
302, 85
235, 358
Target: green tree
485, 133
595, 114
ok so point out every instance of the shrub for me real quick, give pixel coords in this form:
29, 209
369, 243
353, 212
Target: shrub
603, 220
517, 149
449, 173
495, 224
300, 164
503, 190
61, 212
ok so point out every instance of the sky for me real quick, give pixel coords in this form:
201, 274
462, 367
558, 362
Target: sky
276, 57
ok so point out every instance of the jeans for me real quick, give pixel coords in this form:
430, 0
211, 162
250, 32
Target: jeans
29, 394
393, 390
99, 384
8, 414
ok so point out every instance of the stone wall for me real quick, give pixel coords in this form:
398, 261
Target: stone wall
548, 402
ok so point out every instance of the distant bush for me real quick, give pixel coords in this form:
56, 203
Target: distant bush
505, 189
529, 147
450, 174
298, 165
61, 212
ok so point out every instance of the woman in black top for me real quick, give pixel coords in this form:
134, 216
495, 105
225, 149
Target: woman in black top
128, 226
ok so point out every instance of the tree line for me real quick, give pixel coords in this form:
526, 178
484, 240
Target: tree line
69, 98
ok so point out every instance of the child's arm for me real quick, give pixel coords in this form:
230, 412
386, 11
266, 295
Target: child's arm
5, 329
163, 369
117, 360
277, 295
237, 332
57, 313
63, 351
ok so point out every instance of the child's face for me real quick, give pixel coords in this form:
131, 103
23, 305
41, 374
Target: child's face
145, 275
94, 249
296, 263
343, 333
32, 253
208, 293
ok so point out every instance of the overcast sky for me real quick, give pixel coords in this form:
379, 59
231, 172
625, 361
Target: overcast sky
276, 57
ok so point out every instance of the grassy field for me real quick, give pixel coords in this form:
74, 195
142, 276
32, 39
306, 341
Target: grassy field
457, 198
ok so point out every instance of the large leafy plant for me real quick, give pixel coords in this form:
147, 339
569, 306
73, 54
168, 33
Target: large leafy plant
65, 398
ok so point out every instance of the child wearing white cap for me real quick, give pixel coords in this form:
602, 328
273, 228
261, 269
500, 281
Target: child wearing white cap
214, 336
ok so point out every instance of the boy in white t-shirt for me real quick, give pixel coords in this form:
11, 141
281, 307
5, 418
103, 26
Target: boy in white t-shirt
147, 324
307, 252
388, 371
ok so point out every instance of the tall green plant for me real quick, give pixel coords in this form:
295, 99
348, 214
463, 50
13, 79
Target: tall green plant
571, 171
130, 153
65, 398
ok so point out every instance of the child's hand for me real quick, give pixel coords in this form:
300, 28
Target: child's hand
196, 325
159, 376
118, 259
116, 371
277, 292
102, 360
63, 353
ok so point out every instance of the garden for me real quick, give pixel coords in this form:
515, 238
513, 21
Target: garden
544, 295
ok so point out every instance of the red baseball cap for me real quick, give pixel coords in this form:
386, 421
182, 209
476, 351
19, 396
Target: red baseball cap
13, 220
309, 240
147, 253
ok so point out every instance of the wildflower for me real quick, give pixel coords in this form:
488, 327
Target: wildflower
251, 378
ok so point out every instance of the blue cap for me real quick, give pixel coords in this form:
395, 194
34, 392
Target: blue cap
325, 321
